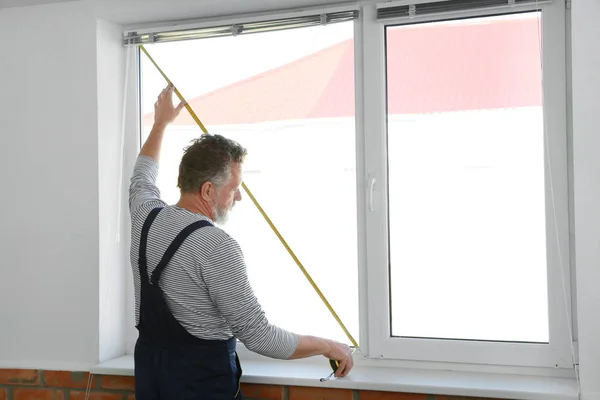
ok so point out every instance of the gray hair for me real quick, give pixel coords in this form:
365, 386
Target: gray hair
208, 159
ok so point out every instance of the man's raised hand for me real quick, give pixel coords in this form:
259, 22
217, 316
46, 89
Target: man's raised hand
164, 111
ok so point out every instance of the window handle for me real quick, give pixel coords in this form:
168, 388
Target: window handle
371, 189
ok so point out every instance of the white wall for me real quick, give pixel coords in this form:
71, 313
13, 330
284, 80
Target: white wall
60, 108
49, 173
586, 151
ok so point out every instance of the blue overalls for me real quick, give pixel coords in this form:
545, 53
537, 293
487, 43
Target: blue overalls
171, 363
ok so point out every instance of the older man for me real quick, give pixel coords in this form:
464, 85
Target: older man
193, 297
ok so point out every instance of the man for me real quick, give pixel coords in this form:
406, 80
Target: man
193, 297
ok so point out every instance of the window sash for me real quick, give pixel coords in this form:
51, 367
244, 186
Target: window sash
380, 342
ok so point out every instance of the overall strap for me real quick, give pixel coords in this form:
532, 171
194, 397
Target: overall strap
174, 246
142, 260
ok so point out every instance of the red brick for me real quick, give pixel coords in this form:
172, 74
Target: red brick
67, 379
3, 393
21, 377
376, 395
445, 397
33, 394
262, 392
80, 395
131, 396
117, 382
313, 393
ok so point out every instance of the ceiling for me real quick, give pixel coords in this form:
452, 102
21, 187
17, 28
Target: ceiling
25, 3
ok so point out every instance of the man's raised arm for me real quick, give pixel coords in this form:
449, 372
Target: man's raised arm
143, 181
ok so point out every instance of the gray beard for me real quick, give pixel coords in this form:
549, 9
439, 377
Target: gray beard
221, 216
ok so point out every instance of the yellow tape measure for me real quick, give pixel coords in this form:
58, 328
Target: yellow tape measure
333, 363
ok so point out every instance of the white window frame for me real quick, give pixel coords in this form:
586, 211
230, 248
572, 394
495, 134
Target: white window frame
381, 345
134, 142
376, 345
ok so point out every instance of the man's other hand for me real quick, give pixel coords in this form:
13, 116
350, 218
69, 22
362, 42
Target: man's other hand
343, 355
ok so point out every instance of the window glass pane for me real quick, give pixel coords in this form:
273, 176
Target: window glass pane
466, 180
288, 97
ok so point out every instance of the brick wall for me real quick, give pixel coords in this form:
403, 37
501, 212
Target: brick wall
27, 384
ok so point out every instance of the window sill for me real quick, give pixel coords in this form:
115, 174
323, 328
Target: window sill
452, 383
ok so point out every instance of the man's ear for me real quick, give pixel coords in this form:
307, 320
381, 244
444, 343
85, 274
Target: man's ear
206, 191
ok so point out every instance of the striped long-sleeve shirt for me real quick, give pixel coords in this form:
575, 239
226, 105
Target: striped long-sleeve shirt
206, 283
